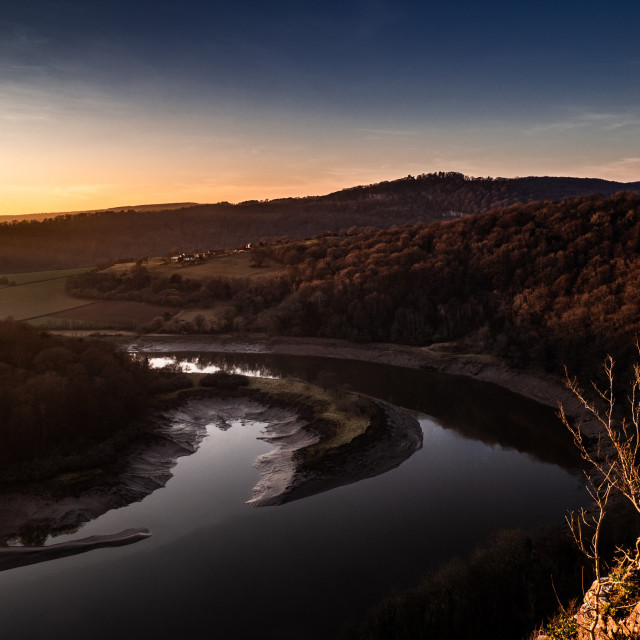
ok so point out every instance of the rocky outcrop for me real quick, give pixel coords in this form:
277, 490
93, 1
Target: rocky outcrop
610, 609
600, 618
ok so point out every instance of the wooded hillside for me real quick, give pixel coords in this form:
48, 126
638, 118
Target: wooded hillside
57, 391
545, 283
87, 239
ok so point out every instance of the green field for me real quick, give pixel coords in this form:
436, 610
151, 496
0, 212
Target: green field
36, 294
36, 276
103, 314
40, 296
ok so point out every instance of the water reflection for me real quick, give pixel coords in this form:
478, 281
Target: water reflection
43, 513
477, 410
300, 569
14, 557
392, 438
200, 364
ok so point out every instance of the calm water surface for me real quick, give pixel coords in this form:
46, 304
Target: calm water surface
216, 567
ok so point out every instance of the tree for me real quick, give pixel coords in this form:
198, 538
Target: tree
615, 458
615, 465
258, 256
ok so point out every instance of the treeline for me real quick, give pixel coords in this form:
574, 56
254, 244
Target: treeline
59, 393
545, 283
503, 591
87, 239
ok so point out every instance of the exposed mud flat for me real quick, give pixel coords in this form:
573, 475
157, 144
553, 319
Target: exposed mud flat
278, 467
14, 557
284, 478
28, 518
444, 358
52, 508
49, 508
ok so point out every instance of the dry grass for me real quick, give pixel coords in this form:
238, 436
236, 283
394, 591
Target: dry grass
229, 265
338, 409
38, 276
117, 312
36, 299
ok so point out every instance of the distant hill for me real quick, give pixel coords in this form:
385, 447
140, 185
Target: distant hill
87, 238
138, 207
543, 284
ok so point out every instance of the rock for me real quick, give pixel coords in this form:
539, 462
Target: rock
595, 623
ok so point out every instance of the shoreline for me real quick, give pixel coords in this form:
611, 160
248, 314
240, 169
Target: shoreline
535, 386
52, 510
15, 557
283, 477
152, 470
441, 358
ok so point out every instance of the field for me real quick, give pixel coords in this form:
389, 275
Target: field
40, 298
102, 315
232, 265
37, 294
39, 276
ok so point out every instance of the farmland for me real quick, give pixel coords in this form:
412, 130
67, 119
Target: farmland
37, 294
236, 264
40, 296
102, 314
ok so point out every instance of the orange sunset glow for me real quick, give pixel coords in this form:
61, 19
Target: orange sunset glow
96, 115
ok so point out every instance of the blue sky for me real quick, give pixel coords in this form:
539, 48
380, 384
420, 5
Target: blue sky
112, 103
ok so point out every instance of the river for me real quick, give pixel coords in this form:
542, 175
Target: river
216, 567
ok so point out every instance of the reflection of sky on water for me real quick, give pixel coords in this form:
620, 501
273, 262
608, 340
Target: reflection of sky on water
193, 366
478, 410
210, 554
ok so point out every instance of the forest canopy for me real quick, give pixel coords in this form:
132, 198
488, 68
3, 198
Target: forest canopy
546, 283
56, 392
89, 238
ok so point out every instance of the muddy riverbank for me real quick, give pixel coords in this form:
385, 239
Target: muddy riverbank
443, 358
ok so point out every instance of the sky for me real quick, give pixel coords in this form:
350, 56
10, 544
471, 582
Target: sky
113, 103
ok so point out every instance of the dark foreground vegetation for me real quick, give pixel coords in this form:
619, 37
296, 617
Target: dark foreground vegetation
68, 403
72, 404
546, 284
503, 591
506, 588
86, 239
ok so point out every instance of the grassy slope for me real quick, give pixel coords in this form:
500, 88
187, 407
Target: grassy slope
331, 407
229, 265
339, 414
36, 294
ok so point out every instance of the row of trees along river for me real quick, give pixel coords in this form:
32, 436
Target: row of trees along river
546, 284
